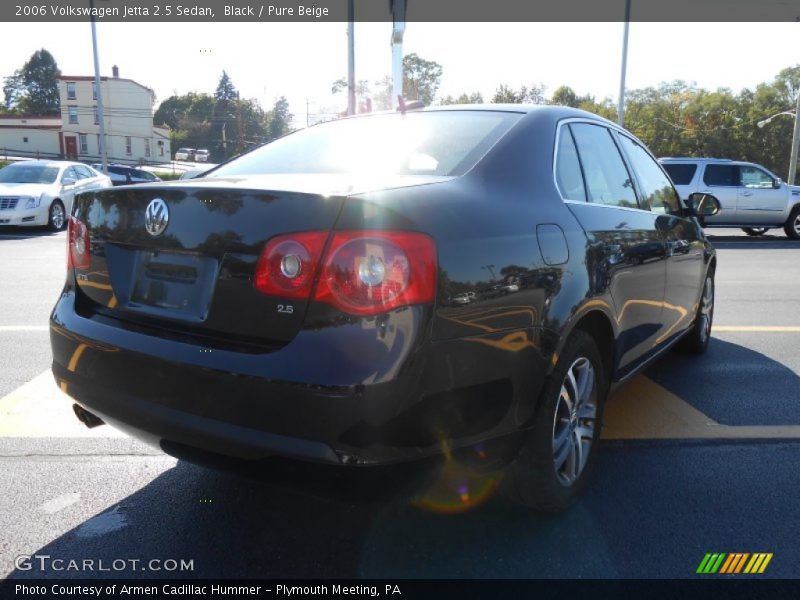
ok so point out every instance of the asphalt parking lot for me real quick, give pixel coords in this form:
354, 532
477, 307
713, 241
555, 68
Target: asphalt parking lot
700, 455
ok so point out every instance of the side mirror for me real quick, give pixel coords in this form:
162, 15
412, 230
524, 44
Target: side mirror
67, 181
777, 183
703, 205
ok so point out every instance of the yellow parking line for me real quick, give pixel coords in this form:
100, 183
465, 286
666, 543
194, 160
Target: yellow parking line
39, 409
758, 328
643, 409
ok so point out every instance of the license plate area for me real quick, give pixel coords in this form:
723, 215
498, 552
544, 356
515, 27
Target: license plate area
173, 284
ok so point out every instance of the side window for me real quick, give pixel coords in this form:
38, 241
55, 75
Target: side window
568, 168
607, 179
658, 195
753, 177
70, 173
83, 172
721, 175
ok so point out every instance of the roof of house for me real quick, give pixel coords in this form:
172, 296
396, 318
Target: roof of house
102, 78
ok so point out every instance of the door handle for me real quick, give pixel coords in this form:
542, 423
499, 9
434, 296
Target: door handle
747, 193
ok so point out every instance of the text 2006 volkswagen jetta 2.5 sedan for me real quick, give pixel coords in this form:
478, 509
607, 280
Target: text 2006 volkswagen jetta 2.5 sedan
385, 289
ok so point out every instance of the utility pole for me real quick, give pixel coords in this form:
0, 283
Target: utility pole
621, 105
239, 128
795, 142
398, 29
351, 59
100, 113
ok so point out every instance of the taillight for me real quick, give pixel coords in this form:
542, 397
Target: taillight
78, 256
288, 263
370, 272
362, 273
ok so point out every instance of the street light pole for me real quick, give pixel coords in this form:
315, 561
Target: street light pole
100, 113
351, 60
795, 143
621, 104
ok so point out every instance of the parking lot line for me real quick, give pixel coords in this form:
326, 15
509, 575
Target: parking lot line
645, 410
39, 409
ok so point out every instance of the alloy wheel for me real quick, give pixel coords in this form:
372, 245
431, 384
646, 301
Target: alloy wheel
706, 309
574, 421
57, 216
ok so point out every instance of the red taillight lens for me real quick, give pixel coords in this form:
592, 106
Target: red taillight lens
78, 255
288, 263
370, 272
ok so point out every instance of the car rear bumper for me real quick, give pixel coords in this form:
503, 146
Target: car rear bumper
309, 399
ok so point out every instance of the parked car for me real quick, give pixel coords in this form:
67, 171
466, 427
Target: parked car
185, 154
291, 303
201, 155
125, 175
750, 196
40, 192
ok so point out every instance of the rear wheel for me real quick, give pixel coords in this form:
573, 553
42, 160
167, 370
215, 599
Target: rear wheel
792, 226
56, 216
754, 231
557, 457
696, 341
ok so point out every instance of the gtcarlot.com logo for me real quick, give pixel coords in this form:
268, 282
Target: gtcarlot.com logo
734, 563
45, 562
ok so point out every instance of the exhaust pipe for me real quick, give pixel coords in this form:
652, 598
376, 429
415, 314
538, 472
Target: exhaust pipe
87, 418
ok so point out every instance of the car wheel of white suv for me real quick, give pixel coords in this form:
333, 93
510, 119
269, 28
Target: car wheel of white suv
792, 227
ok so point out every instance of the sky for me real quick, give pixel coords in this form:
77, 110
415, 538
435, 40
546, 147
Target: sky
301, 60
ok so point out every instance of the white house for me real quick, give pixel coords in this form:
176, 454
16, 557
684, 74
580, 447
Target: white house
131, 136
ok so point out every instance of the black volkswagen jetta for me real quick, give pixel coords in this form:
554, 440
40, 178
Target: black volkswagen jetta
298, 301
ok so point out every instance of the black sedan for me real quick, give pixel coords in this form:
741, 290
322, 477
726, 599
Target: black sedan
125, 175
297, 301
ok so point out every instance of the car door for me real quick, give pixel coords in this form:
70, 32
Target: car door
685, 245
722, 181
627, 247
760, 201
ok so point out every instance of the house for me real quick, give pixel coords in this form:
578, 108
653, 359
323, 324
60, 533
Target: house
130, 134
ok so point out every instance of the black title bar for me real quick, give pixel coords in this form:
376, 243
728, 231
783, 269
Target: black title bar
275, 11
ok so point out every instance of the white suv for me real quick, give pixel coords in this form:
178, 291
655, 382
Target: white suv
750, 196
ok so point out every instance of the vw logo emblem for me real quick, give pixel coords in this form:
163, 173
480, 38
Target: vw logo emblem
156, 217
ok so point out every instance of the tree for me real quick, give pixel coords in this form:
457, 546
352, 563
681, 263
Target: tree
225, 88
279, 120
33, 89
525, 95
473, 98
565, 96
421, 78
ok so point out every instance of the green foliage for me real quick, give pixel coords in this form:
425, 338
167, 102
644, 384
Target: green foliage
225, 88
421, 78
473, 98
33, 89
525, 95
279, 120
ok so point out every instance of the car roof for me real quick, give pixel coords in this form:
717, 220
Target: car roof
49, 163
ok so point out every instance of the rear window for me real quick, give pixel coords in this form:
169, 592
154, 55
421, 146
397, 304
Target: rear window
418, 143
680, 174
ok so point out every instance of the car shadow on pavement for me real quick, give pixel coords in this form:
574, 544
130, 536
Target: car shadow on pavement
733, 384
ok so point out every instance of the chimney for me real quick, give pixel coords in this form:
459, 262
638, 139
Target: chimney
115, 71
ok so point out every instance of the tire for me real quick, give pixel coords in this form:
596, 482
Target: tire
56, 216
792, 226
755, 231
551, 470
697, 339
